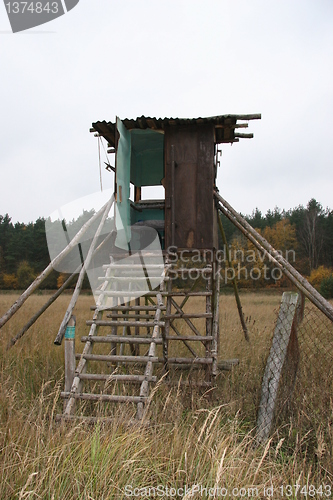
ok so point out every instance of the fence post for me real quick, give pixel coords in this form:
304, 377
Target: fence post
275, 362
69, 355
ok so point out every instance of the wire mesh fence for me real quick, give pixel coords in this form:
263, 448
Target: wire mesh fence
297, 383
282, 387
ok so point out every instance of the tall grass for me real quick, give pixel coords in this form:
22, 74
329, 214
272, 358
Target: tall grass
194, 438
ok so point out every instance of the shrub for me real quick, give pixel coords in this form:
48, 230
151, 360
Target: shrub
326, 287
25, 274
9, 282
61, 279
318, 275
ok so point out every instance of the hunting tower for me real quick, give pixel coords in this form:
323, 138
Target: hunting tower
174, 323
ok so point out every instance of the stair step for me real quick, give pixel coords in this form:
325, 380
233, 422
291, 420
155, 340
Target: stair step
142, 360
152, 293
116, 358
102, 322
129, 273
144, 252
188, 294
227, 364
133, 266
130, 316
189, 383
188, 315
122, 339
195, 361
129, 293
116, 378
104, 397
184, 270
131, 278
128, 308
204, 338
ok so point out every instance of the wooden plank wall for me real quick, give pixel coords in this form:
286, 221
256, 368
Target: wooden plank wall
194, 184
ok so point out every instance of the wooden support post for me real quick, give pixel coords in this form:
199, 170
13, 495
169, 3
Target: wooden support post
53, 298
78, 286
42, 309
234, 282
137, 330
147, 300
69, 356
293, 352
144, 389
215, 331
126, 324
113, 347
35, 284
166, 329
273, 255
209, 325
82, 365
275, 362
173, 215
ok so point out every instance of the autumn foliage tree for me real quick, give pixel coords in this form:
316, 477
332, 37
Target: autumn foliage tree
303, 235
253, 268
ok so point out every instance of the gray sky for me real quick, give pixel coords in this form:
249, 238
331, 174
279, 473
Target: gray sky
184, 58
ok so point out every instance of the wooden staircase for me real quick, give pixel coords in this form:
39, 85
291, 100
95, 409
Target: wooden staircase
130, 334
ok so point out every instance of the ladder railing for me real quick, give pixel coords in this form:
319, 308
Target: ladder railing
125, 317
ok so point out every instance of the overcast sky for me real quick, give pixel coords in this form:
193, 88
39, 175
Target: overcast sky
174, 58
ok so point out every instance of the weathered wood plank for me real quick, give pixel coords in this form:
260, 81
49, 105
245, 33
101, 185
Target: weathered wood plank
198, 361
127, 308
104, 397
100, 322
116, 378
202, 338
114, 358
188, 315
120, 339
275, 362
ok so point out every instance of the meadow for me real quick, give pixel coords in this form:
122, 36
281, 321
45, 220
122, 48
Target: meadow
195, 439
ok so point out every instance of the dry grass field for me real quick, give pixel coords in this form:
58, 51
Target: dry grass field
195, 439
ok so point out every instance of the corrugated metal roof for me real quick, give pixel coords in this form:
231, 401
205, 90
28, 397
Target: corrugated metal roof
225, 125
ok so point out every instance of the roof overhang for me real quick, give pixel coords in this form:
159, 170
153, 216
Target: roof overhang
225, 126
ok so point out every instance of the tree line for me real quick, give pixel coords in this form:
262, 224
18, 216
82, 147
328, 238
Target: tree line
309, 229
306, 231
303, 235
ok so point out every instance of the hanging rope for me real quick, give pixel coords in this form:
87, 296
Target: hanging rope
106, 155
99, 161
